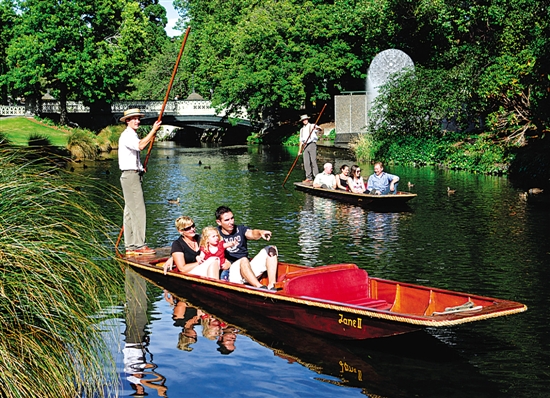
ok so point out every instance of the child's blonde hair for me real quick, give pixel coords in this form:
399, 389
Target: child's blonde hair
204, 236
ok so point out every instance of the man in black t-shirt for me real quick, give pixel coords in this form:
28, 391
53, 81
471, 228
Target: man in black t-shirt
242, 269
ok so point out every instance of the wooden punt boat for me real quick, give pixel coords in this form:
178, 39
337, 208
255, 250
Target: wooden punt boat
380, 201
338, 300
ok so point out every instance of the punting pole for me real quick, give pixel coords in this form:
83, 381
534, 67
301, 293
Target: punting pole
159, 118
298, 156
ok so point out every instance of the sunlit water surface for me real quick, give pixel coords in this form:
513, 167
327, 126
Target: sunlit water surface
484, 239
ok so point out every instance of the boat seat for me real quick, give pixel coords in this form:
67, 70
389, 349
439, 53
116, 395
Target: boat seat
371, 303
338, 284
364, 302
314, 270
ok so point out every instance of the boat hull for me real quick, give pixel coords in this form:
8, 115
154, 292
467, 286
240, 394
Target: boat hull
387, 308
397, 201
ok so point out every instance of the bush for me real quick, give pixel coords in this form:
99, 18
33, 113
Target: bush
107, 138
477, 153
36, 140
254, 139
82, 144
293, 140
365, 147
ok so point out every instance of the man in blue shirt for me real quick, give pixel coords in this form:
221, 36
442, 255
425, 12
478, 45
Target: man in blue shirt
381, 183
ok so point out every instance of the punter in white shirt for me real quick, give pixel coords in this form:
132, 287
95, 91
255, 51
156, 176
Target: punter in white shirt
129, 147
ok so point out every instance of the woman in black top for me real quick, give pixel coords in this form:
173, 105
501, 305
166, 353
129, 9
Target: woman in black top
185, 252
342, 178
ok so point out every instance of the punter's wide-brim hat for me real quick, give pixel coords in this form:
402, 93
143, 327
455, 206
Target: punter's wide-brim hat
304, 117
131, 113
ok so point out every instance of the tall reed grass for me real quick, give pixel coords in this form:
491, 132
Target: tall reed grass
108, 137
57, 273
82, 144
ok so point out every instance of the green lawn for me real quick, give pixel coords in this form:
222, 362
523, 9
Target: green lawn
18, 130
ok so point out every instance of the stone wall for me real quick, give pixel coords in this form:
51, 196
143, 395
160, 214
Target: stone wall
350, 115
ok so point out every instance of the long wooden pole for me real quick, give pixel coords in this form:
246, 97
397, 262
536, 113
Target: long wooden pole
299, 152
159, 118
167, 94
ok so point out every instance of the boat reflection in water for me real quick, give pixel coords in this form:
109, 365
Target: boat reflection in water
373, 233
415, 364
139, 369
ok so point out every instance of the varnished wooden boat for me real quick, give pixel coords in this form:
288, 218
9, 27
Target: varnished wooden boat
381, 201
339, 300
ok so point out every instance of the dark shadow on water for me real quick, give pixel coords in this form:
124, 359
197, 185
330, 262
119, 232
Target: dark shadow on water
411, 365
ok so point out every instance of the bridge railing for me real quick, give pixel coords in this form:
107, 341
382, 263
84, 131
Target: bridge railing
179, 107
144, 106
12, 110
72, 107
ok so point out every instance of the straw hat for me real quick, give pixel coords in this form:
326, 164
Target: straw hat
304, 117
131, 112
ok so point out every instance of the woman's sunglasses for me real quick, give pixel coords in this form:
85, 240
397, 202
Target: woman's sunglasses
188, 228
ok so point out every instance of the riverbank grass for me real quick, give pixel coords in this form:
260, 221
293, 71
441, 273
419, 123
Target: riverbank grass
58, 273
18, 130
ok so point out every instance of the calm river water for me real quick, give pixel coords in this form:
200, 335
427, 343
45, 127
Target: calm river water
484, 239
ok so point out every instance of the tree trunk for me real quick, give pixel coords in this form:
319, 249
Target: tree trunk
63, 114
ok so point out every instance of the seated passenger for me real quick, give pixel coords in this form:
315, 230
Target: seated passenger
212, 245
243, 270
381, 183
185, 252
355, 181
325, 179
342, 178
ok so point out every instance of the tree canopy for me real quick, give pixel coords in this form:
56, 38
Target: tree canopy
480, 63
81, 49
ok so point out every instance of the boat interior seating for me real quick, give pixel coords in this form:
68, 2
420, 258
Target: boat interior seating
344, 283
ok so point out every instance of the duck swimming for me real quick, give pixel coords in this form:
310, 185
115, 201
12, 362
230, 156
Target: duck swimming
174, 201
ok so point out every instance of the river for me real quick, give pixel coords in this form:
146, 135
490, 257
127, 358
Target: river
484, 239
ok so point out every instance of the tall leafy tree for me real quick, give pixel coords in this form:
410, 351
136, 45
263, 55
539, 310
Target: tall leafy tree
8, 19
274, 55
79, 49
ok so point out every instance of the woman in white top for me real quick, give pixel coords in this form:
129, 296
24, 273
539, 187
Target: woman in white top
355, 181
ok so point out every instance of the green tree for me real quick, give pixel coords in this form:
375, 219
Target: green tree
272, 56
8, 20
481, 63
82, 49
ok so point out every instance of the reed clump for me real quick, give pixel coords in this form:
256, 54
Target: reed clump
108, 137
57, 274
38, 140
82, 144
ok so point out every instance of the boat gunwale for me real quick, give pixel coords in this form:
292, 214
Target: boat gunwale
400, 196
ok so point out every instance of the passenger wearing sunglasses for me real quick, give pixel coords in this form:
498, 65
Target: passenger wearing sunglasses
355, 181
185, 252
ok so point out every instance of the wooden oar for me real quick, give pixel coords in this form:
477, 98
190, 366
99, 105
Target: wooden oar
159, 118
298, 156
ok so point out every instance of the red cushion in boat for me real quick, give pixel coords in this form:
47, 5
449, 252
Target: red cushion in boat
349, 285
